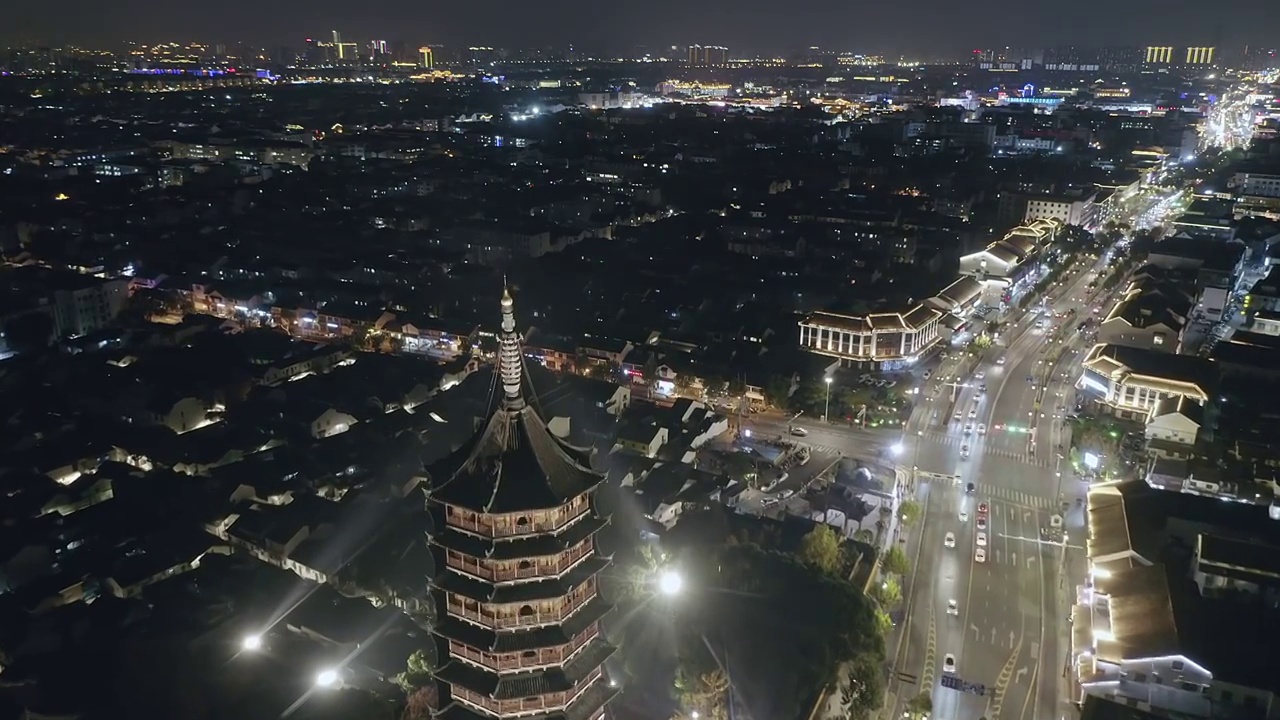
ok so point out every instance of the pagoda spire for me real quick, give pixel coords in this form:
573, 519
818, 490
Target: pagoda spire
510, 362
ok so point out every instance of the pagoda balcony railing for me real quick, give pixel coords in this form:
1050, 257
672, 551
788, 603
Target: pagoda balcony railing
524, 661
533, 704
537, 568
486, 527
518, 620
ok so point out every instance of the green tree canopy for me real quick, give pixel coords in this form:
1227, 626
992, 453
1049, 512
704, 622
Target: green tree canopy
896, 561
820, 548
910, 511
889, 593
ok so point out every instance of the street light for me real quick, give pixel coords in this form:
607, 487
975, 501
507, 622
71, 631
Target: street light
327, 678
896, 449
251, 643
826, 406
670, 583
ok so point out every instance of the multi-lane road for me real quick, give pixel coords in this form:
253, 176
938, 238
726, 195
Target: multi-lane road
1008, 631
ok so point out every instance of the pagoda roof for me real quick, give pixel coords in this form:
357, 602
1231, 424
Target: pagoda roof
514, 462
584, 707
486, 592
485, 639
513, 686
528, 546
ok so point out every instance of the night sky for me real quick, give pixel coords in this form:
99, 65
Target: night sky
930, 28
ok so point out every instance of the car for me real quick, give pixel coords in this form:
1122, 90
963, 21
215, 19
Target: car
964, 452
982, 522
957, 416
769, 502
799, 431
982, 389
983, 507
949, 664
970, 488
980, 555
982, 539
1000, 360
982, 429
968, 428
928, 374
973, 414
953, 607
787, 494
949, 540
964, 516
979, 375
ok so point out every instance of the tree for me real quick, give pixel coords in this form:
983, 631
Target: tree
820, 548
910, 511
884, 623
777, 390
417, 673
740, 467
895, 561
706, 696
864, 691
684, 381
864, 535
889, 593
421, 703
920, 705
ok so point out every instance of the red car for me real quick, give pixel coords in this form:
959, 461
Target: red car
982, 508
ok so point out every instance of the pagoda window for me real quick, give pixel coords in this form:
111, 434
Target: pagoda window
525, 564
526, 610
529, 654
522, 521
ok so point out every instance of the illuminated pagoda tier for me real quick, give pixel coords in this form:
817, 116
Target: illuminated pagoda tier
521, 606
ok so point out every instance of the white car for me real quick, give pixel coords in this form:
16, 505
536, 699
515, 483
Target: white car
968, 428
799, 431
964, 516
982, 539
982, 429
980, 555
949, 540
953, 608
973, 413
964, 452
949, 664
1000, 360
979, 375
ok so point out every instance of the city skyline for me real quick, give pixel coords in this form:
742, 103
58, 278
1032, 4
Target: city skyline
754, 27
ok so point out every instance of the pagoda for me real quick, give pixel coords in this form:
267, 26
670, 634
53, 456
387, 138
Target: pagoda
521, 600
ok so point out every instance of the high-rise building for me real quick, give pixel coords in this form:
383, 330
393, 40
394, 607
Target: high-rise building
708, 55
1159, 55
521, 608
1199, 56
426, 57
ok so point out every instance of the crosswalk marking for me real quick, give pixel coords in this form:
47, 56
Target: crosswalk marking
953, 441
1017, 497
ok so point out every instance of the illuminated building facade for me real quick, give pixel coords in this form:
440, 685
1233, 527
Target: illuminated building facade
1199, 56
889, 339
519, 593
1130, 381
1159, 55
426, 57
708, 55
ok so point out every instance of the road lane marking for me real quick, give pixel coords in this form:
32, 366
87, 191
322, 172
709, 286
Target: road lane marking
1011, 639
1002, 682
931, 649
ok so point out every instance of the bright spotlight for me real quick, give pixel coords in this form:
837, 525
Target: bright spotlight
327, 678
670, 582
251, 643
896, 448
